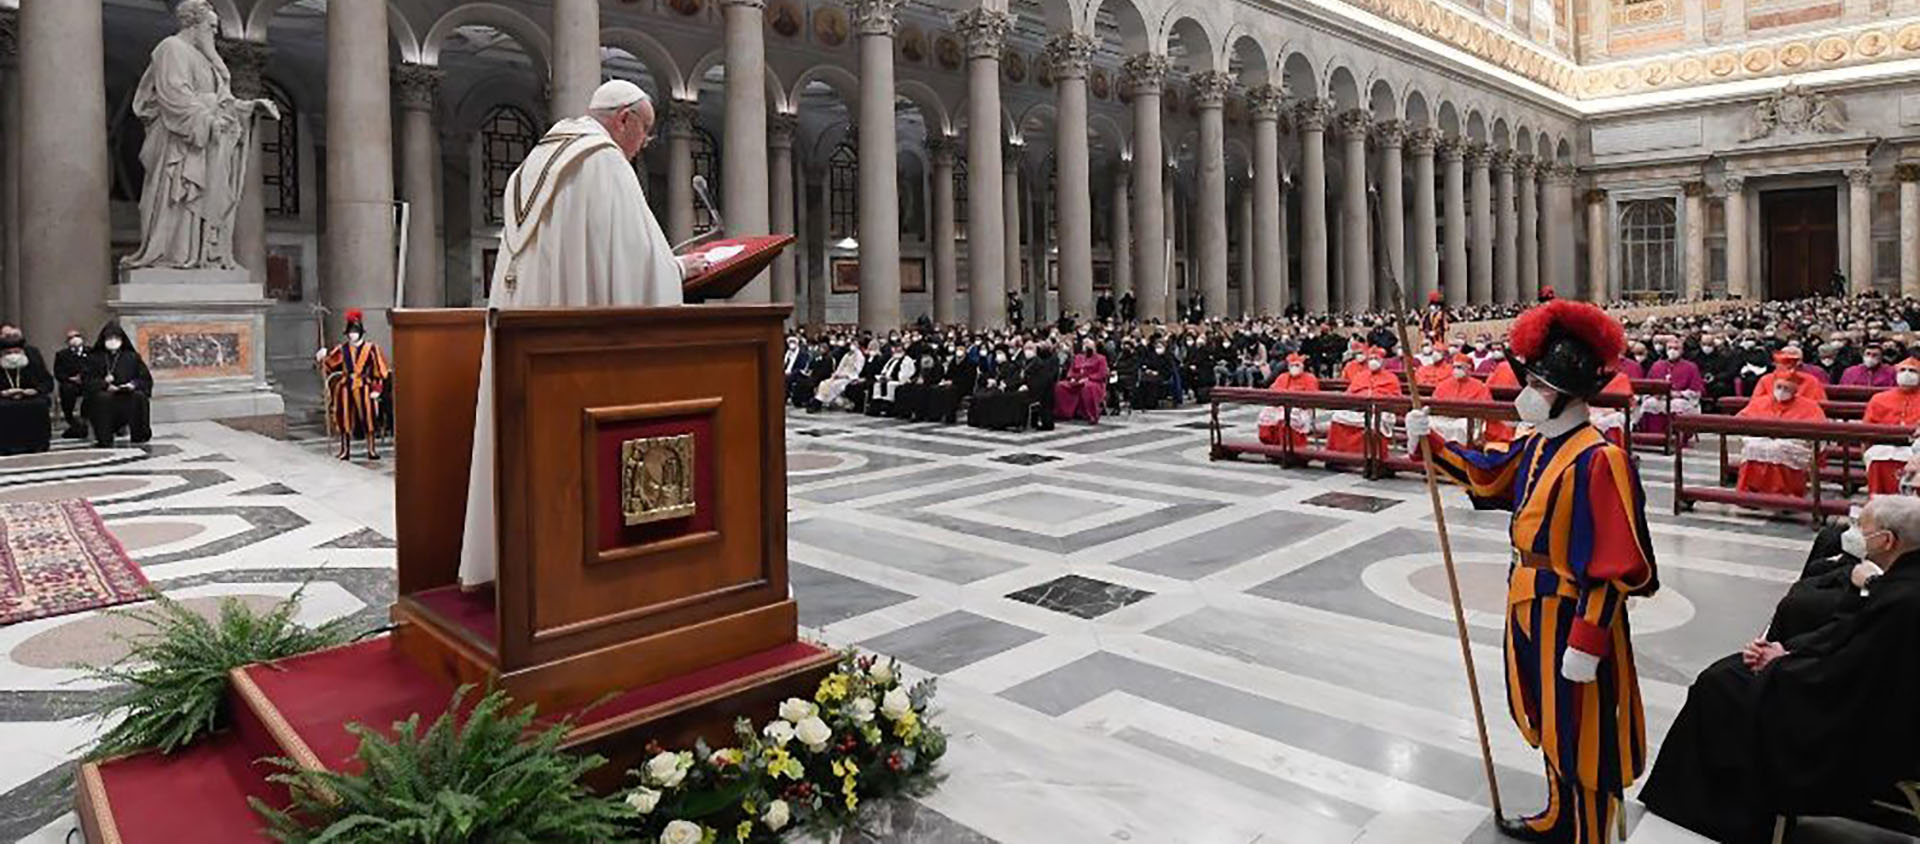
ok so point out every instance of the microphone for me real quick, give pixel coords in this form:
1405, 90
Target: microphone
700, 190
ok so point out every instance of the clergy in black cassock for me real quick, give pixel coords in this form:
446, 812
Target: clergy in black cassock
1818, 725
26, 395
119, 387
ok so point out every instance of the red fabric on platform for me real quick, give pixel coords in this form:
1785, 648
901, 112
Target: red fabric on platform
197, 794
469, 609
645, 696
369, 682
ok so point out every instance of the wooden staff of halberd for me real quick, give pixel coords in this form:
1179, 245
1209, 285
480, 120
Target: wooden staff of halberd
1440, 525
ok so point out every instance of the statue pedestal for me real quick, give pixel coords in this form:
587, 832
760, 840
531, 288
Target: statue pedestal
204, 335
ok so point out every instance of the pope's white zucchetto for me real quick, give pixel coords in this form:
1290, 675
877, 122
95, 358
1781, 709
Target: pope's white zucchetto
616, 94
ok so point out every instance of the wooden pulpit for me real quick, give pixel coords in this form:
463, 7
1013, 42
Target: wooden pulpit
641, 500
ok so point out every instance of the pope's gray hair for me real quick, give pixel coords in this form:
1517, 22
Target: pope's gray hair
195, 12
1897, 513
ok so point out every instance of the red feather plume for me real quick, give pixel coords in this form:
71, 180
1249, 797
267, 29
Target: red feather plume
1584, 321
354, 315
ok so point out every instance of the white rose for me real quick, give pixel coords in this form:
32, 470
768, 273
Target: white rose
896, 704
814, 733
643, 800
882, 670
860, 710
796, 710
665, 770
776, 815
682, 832
778, 732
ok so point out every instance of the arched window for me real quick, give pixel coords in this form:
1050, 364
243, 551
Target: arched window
959, 197
280, 156
843, 177
1647, 246
706, 162
506, 136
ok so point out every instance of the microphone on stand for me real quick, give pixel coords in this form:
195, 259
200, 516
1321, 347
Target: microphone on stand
700, 190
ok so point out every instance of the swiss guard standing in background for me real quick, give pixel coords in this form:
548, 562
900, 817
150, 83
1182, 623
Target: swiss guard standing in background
356, 374
1580, 548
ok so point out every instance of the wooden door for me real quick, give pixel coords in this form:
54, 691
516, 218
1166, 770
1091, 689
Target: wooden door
1800, 251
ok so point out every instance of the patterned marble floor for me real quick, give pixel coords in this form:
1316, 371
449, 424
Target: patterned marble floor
1134, 644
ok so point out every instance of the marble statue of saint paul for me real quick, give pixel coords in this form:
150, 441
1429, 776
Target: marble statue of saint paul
195, 153
577, 233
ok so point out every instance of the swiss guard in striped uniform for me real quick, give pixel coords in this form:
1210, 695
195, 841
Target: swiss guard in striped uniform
1580, 548
357, 373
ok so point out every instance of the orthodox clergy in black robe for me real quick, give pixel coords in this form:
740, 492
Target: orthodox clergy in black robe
1003, 403
26, 397
119, 389
70, 376
1820, 731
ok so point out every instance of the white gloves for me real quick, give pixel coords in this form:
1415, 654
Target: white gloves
1418, 425
1578, 666
320, 354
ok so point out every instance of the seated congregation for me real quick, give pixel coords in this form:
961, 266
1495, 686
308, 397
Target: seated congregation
100, 390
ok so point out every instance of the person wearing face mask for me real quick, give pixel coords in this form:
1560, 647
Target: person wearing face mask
845, 372
1272, 426
1159, 377
119, 388
797, 364
1869, 372
1460, 385
26, 396
1776, 465
1435, 320
1815, 724
1684, 386
356, 374
1899, 406
896, 371
1083, 392
1580, 549
70, 373
1348, 429
1433, 369
1786, 362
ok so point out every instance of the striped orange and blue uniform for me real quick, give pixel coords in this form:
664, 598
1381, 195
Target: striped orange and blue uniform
363, 370
1579, 532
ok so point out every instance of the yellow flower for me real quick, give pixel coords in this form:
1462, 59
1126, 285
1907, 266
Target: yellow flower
908, 727
832, 687
744, 830
780, 763
852, 802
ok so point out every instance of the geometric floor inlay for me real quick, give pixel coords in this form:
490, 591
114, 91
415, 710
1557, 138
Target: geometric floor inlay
1026, 459
1081, 596
1353, 501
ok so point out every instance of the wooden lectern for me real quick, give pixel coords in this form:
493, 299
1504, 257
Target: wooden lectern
642, 512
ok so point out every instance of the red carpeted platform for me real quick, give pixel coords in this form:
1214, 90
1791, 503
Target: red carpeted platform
197, 794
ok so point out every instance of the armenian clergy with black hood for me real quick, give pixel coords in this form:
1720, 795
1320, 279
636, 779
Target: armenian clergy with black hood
119, 389
1818, 724
1580, 549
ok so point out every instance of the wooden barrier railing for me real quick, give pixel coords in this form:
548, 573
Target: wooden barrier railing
1379, 455
1849, 436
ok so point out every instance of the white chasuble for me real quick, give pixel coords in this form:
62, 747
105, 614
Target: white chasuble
577, 233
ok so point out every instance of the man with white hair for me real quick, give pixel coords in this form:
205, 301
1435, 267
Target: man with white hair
1820, 724
577, 233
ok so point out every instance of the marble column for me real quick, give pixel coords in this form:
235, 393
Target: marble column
1284, 287
1390, 135
1144, 73
1210, 92
1695, 267
359, 229
1122, 239
1859, 230
1356, 245
1426, 246
1909, 175
1310, 122
1243, 220
1011, 157
1452, 153
1599, 286
1179, 247
1560, 222
985, 31
743, 163
940, 151
780, 128
416, 87
245, 62
1506, 224
879, 218
1529, 252
680, 119
1263, 292
1068, 54
576, 55
10, 162
1739, 286
64, 227
1480, 226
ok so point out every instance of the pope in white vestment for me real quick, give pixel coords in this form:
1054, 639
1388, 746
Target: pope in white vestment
577, 233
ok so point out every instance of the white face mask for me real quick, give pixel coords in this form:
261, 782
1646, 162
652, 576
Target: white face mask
75, 343
1499, 355
353, 336
1296, 369
1871, 361
1373, 364
1673, 354
1533, 405
113, 344
1460, 373
14, 360
1907, 378
1854, 542
1783, 394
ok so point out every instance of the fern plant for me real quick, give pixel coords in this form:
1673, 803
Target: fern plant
475, 779
175, 671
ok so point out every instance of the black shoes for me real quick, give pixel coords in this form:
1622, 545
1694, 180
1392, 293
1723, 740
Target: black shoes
1518, 830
